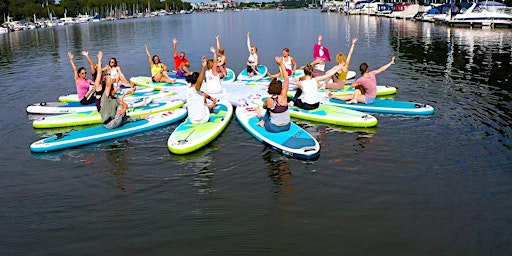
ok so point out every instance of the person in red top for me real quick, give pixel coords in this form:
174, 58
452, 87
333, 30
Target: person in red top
181, 64
365, 86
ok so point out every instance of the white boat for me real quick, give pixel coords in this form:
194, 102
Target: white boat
488, 13
66, 21
83, 18
3, 30
405, 10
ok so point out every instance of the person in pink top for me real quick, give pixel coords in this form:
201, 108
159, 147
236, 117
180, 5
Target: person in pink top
83, 85
365, 86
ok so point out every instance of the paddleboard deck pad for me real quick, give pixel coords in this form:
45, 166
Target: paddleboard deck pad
100, 133
189, 137
296, 142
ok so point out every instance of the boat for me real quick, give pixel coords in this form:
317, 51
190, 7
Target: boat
488, 13
66, 21
83, 18
405, 10
384, 9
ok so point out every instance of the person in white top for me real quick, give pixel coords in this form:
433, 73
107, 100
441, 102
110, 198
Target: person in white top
307, 96
289, 63
197, 104
252, 60
118, 77
213, 81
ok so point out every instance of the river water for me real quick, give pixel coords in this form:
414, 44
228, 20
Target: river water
414, 185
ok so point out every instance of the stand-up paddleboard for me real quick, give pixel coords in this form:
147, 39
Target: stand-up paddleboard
231, 76
296, 75
244, 76
157, 86
382, 90
100, 133
73, 97
386, 106
295, 142
188, 137
329, 114
59, 107
94, 117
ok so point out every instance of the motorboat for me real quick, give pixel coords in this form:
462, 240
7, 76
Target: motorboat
488, 13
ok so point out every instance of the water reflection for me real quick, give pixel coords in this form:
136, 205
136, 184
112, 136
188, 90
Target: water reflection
278, 172
117, 155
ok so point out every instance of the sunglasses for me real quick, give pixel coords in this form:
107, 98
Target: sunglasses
83, 73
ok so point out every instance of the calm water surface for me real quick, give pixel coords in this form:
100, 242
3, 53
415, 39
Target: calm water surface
425, 185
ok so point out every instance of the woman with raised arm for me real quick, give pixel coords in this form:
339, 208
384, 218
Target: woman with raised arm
340, 78
252, 60
197, 104
277, 118
221, 59
213, 80
307, 96
158, 69
368, 82
82, 83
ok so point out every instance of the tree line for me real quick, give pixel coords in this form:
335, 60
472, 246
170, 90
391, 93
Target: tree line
25, 9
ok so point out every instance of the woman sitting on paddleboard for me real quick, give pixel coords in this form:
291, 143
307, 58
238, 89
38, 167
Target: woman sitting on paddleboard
289, 63
339, 79
82, 83
213, 80
368, 82
197, 105
307, 96
321, 55
221, 59
252, 61
117, 76
277, 118
158, 69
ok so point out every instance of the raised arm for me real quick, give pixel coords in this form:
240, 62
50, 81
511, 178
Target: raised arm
383, 68
286, 82
349, 57
150, 60
214, 66
217, 38
91, 64
329, 73
248, 42
174, 43
200, 79
70, 56
97, 82
320, 39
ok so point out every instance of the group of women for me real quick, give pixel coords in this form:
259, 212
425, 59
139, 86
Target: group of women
200, 103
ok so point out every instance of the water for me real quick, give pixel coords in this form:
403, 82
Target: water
426, 185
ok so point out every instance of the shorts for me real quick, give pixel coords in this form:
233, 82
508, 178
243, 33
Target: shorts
368, 100
153, 79
289, 71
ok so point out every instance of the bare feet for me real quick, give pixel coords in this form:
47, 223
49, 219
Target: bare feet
291, 104
144, 102
146, 116
351, 102
261, 123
